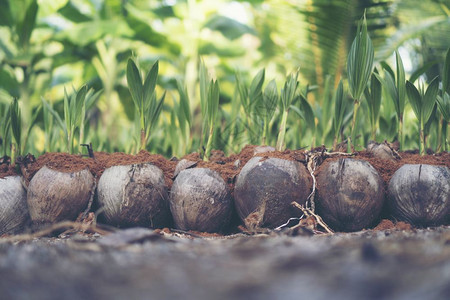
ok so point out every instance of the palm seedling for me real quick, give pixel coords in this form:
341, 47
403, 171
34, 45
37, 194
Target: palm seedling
73, 114
444, 107
268, 106
423, 103
339, 111
16, 130
144, 98
359, 69
5, 130
373, 96
396, 89
209, 102
288, 94
251, 98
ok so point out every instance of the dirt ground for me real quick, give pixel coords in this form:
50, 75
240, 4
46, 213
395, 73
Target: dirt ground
144, 264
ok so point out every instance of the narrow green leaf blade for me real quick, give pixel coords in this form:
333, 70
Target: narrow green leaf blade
415, 99
429, 99
134, 81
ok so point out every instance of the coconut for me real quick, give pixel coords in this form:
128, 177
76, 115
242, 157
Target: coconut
134, 195
265, 189
14, 214
200, 200
420, 194
55, 196
350, 194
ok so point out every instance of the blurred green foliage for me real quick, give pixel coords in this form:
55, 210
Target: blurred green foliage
46, 45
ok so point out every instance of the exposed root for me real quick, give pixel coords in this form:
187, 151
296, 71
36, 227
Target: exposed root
311, 215
313, 160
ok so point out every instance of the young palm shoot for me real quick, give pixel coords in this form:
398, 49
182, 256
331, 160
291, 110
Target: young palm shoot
288, 94
73, 109
183, 113
423, 105
339, 111
359, 69
444, 107
16, 129
373, 97
251, 98
397, 91
268, 107
144, 98
212, 109
5, 131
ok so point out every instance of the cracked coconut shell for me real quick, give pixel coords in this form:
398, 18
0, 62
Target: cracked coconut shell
14, 214
134, 195
349, 194
265, 189
420, 194
200, 201
55, 196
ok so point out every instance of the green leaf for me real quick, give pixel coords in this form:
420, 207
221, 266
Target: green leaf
16, 122
150, 82
415, 99
308, 113
288, 91
444, 106
231, 29
213, 101
5, 14
416, 74
155, 111
184, 102
400, 83
429, 99
255, 93
203, 78
270, 99
72, 13
446, 73
25, 28
360, 61
134, 80
339, 108
55, 115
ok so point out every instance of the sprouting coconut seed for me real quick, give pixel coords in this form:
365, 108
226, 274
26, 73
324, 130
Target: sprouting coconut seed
350, 194
55, 196
200, 200
420, 194
14, 214
265, 189
134, 195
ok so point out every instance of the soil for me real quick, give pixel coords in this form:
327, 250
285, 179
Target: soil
139, 263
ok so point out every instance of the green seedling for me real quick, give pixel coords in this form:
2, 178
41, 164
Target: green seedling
251, 101
6, 131
73, 111
211, 110
267, 108
339, 111
396, 89
373, 96
288, 94
359, 69
144, 98
16, 130
444, 108
423, 104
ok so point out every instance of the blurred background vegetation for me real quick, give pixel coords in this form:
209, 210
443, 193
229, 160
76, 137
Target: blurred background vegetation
46, 45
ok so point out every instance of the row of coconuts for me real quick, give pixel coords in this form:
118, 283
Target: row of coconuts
350, 196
